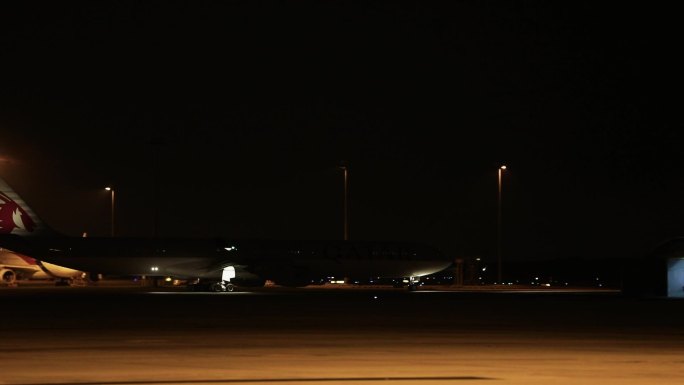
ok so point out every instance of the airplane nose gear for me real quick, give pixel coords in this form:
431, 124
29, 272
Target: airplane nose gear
218, 287
223, 286
413, 283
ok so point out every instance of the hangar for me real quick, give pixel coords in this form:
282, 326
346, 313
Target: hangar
659, 274
675, 277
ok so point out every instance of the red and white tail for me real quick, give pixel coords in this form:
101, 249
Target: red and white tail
15, 215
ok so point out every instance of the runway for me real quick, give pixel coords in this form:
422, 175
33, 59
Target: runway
134, 336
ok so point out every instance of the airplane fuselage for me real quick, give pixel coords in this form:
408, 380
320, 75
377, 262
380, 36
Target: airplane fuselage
286, 261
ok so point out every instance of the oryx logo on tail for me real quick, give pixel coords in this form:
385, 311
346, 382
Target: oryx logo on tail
13, 217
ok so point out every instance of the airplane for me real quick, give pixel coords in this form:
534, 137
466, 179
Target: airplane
215, 264
15, 266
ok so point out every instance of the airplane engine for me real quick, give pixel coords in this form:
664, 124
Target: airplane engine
7, 276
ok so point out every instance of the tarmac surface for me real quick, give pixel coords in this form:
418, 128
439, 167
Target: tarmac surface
128, 336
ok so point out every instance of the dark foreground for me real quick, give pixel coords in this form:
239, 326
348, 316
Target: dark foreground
132, 336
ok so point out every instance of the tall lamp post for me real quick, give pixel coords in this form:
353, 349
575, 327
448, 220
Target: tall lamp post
345, 169
111, 189
498, 232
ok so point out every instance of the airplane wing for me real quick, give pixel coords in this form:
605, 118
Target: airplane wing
23, 269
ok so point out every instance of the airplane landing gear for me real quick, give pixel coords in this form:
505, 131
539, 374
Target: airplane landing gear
413, 283
223, 286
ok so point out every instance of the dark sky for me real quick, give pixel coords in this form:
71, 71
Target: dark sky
250, 105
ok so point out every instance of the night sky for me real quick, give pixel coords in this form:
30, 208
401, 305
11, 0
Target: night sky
244, 109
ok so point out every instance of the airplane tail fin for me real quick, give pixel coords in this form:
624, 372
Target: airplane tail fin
16, 217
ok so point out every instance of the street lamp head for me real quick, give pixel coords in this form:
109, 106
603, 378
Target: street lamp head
108, 188
503, 167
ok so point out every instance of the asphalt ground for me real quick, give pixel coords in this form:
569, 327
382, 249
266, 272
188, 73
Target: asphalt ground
119, 335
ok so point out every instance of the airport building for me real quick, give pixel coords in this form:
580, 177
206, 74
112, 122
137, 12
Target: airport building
659, 274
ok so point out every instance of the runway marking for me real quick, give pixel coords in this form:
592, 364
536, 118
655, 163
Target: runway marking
199, 293
271, 380
523, 291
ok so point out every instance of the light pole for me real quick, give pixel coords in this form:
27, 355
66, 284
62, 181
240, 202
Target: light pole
111, 189
345, 169
498, 233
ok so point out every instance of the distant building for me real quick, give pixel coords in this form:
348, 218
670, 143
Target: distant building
659, 274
